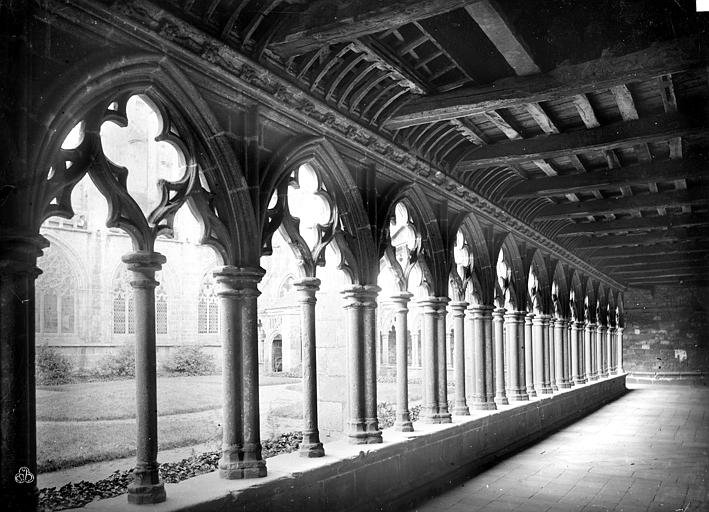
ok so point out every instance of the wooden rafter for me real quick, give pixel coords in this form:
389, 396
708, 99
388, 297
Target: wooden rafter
611, 136
633, 175
344, 21
614, 241
563, 82
635, 224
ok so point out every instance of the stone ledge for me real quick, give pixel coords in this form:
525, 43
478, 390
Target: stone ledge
390, 476
696, 378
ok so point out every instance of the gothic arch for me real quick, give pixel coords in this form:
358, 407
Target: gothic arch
591, 296
432, 251
561, 279
517, 285
221, 203
483, 266
352, 234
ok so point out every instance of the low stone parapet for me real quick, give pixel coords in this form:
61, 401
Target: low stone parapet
393, 475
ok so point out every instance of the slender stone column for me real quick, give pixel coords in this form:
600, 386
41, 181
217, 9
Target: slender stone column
600, 359
547, 357
550, 359
515, 350
241, 445
355, 300
481, 398
612, 353
374, 434
311, 445
403, 416
619, 341
460, 406
567, 353
18, 272
444, 415
489, 358
559, 354
498, 320
468, 352
538, 342
429, 408
529, 355
146, 486
575, 366
591, 330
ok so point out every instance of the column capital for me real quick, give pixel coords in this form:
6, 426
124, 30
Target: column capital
515, 316
361, 295
307, 287
144, 264
575, 324
458, 307
561, 322
442, 303
401, 299
620, 330
242, 280
19, 252
499, 312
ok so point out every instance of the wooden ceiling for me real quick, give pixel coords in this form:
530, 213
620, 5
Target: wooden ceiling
587, 119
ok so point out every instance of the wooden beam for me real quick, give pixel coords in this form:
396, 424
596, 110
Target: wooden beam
635, 224
327, 22
615, 241
542, 118
669, 259
633, 175
625, 102
564, 81
652, 129
510, 45
585, 110
698, 195
680, 249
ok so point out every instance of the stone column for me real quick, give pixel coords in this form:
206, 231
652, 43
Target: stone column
612, 368
482, 398
489, 357
498, 320
311, 445
374, 434
241, 445
600, 359
18, 452
538, 353
575, 366
444, 415
550, 359
146, 486
429, 407
403, 416
559, 354
514, 323
529, 355
547, 356
460, 406
567, 353
354, 306
619, 342
589, 352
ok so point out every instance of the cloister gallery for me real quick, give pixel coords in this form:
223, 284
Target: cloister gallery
504, 199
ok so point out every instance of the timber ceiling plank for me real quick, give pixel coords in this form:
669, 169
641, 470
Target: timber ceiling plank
327, 22
562, 82
633, 224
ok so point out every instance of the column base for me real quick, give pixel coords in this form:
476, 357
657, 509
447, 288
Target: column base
444, 417
554, 387
374, 437
484, 406
242, 470
142, 494
429, 414
531, 392
546, 390
461, 410
593, 377
518, 396
565, 385
501, 400
356, 433
311, 450
404, 426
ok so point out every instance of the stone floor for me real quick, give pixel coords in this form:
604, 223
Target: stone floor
647, 451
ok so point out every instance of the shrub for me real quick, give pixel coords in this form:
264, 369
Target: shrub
118, 364
190, 360
51, 367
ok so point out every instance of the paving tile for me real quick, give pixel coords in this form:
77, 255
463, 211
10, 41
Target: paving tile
646, 451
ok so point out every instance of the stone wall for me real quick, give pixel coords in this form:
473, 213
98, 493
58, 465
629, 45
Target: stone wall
665, 337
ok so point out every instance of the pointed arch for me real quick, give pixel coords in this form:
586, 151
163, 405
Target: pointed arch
562, 281
577, 284
352, 235
483, 264
433, 251
221, 204
57, 290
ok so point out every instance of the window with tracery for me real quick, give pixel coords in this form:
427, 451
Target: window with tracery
124, 304
208, 307
56, 292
